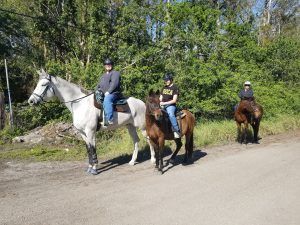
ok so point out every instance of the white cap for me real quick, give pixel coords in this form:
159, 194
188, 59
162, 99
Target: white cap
247, 83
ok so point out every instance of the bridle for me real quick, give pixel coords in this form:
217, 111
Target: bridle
50, 87
47, 87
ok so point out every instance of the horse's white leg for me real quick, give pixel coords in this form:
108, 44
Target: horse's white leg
135, 138
152, 152
90, 141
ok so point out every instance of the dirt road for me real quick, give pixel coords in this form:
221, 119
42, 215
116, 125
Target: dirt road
227, 185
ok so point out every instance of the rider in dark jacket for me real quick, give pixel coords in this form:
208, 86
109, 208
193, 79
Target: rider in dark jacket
110, 85
247, 92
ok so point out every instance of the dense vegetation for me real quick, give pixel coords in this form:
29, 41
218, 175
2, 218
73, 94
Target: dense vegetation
212, 46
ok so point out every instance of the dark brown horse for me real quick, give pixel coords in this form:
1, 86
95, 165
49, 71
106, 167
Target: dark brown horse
248, 112
159, 129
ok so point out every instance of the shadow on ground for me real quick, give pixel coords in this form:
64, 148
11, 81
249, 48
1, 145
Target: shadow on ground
144, 155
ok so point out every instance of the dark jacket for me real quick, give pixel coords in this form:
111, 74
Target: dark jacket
246, 94
110, 82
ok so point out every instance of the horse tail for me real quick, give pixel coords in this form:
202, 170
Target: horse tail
189, 145
190, 136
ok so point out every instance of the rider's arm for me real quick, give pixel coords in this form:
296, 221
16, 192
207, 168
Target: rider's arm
241, 94
173, 101
115, 81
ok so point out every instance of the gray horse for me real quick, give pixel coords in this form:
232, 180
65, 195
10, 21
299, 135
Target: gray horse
86, 116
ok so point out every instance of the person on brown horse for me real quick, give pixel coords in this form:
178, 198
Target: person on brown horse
247, 112
247, 94
168, 99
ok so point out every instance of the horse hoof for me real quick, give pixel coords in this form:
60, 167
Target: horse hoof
88, 169
92, 171
131, 163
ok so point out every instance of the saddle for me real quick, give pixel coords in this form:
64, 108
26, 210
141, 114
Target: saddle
120, 105
179, 115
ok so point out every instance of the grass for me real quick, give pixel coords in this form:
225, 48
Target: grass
118, 143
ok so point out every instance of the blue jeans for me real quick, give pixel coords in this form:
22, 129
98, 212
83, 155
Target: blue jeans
108, 106
171, 109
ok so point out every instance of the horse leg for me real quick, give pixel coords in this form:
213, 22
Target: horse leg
178, 146
161, 164
255, 127
239, 132
161, 145
189, 145
152, 152
135, 138
90, 143
245, 130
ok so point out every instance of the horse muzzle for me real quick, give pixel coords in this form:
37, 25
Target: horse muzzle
158, 116
33, 101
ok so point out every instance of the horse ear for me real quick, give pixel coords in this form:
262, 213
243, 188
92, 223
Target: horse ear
157, 92
43, 72
151, 92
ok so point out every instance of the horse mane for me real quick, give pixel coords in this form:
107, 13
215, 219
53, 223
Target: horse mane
78, 87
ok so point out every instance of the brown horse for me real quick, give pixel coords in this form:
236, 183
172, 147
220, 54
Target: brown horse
159, 129
248, 112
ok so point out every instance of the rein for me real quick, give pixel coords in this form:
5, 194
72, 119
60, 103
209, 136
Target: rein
74, 100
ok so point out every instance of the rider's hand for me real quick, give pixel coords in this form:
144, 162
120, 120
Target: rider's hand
106, 93
161, 103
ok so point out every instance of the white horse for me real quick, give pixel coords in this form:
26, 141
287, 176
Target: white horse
86, 116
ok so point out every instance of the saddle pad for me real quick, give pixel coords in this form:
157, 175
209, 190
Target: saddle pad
122, 101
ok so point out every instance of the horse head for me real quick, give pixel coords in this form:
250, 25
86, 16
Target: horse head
44, 89
245, 107
153, 105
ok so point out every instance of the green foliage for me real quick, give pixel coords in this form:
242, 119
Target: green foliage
211, 46
44, 153
28, 117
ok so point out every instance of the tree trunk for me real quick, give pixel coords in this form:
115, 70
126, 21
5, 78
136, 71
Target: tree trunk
2, 111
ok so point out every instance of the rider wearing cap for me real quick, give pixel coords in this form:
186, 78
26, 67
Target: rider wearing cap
110, 85
168, 99
246, 93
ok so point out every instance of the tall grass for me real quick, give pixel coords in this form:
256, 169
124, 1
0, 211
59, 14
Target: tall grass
222, 132
118, 143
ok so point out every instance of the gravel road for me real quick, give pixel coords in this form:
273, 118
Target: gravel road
227, 185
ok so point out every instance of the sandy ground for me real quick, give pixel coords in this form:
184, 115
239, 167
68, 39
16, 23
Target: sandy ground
227, 185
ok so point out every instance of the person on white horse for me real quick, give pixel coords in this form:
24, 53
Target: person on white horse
86, 116
110, 85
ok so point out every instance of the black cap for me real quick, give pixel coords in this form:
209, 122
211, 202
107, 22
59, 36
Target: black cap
168, 76
108, 62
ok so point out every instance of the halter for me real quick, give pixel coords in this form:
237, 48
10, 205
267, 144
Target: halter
41, 96
48, 86
152, 107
